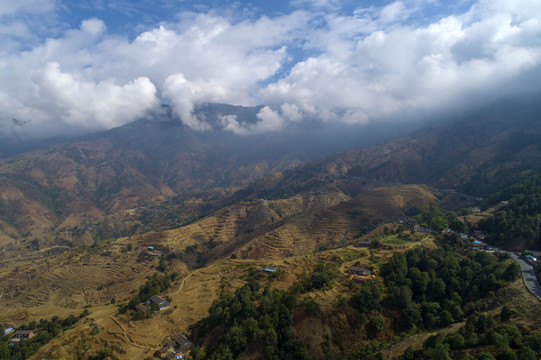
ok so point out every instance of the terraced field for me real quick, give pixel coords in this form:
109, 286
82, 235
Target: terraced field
68, 282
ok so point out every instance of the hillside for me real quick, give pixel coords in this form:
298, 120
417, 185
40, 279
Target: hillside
157, 174
479, 153
113, 183
47, 281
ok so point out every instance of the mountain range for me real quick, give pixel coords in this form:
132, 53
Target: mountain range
84, 223
156, 173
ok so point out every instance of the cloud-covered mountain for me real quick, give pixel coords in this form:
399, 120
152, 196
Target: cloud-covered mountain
482, 151
149, 161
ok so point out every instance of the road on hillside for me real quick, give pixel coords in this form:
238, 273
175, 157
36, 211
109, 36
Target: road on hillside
528, 275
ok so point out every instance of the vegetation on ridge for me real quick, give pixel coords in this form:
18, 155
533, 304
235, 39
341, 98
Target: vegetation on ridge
518, 222
419, 290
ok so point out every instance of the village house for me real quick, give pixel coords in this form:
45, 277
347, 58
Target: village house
176, 348
159, 301
359, 274
141, 307
479, 235
421, 229
357, 270
363, 244
22, 335
479, 245
268, 269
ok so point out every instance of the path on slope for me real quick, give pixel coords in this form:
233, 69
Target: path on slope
125, 333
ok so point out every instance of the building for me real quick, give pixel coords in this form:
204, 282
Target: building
479, 245
363, 244
159, 301
183, 343
359, 274
141, 307
420, 229
359, 271
176, 348
479, 235
22, 335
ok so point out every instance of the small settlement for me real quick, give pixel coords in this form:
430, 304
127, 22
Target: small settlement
22, 335
175, 349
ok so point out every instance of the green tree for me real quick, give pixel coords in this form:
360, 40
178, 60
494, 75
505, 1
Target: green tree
197, 353
438, 223
4, 351
485, 356
506, 354
458, 226
526, 353
438, 352
251, 329
236, 340
482, 324
377, 323
446, 318
512, 272
505, 314
456, 341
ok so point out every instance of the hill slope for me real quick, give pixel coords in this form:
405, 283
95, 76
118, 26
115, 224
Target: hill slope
479, 154
62, 191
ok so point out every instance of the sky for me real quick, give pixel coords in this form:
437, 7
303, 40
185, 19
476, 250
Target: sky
71, 67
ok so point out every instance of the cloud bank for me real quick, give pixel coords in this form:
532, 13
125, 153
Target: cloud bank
317, 61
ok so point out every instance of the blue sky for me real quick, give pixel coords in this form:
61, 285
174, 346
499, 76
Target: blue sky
82, 66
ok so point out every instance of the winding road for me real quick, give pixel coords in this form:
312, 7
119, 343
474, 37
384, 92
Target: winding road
528, 275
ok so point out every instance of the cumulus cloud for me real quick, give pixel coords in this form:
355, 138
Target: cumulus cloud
94, 105
321, 62
269, 121
381, 71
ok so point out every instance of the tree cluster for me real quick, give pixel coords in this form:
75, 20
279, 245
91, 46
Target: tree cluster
520, 219
436, 288
46, 330
261, 319
482, 332
434, 218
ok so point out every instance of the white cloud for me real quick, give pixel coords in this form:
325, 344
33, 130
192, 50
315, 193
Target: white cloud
382, 71
27, 6
317, 4
291, 112
393, 12
323, 62
269, 121
90, 105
